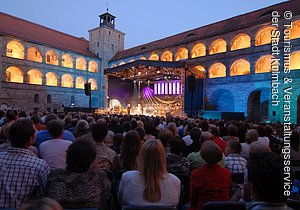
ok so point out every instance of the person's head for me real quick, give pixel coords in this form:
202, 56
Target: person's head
41, 204
74, 122
82, 125
36, 119
55, 128
140, 124
50, 117
295, 140
165, 136
177, 145
99, 131
265, 173
261, 131
206, 136
211, 153
118, 139
130, 149
80, 156
195, 134
149, 128
68, 119
127, 126
90, 120
258, 148
269, 130
232, 130
251, 136
141, 132
233, 147
214, 130
22, 133
172, 127
10, 116
152, 166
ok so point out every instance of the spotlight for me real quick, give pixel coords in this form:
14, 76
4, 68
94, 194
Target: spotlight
134, 81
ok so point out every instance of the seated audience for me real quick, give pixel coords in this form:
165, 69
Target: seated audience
126, 127
117, 142
165, 135
232, 131
274, 142
141, 133
78, 186
176, 163
149, 129
41, 204
295, 140
37, 122
265, 173
8, 121
187, 138
73, 124
195, 134
262, 136
251, 136
172, 127
82, 128
44, 135
22, 174
151, 184
210, 182
130, 149
54, 151
233, 161
217, 139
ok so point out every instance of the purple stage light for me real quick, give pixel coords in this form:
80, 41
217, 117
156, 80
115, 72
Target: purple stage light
148, 93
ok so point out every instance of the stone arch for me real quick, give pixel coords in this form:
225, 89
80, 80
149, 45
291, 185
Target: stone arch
198, 50
154, 57
264, 64
181, 54
241, 41
51, 57
94, 85
67, 61
15, 49
93, 66
295, 60
263, 36
81, 64
222, 100
295, 30
217, 46
80, 83
51, 79
217, 70
166, 56
34, 54
240, 67
258, 104
67, 81
14, 74
34, 76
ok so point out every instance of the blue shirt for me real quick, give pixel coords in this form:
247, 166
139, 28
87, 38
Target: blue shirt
44, 135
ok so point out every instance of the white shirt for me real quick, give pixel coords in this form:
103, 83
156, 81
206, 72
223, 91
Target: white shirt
131, 190
245, 150
54, 152
187, 139
264, 140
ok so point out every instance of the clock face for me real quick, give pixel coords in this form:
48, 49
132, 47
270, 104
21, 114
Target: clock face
4, 107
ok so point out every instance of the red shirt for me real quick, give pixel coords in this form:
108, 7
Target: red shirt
209, 183
221, 143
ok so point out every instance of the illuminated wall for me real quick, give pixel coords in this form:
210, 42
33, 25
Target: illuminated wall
241, 41
200, 68
143, 58
51, 58
93, 84
67, 81
93, 67
218, 46
168, 88
181, 54
217, 70
35, 77
263, 64
295, 31
34, 55
51, 79
154, 57
15, 49
240, 67
198, 50
80, 64
67, 61
80, 83
295, 60
166, 56
121, 63
264, 36
14, 74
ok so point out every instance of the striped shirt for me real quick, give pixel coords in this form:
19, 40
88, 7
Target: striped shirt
22, 176
235, 163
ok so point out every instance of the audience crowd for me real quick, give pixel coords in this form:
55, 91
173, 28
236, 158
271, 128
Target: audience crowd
72, 160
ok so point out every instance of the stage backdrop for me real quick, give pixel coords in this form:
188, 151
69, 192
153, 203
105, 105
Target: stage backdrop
120, 90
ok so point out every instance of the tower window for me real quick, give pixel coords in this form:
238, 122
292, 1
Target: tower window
112, 47
97, 44
109, 32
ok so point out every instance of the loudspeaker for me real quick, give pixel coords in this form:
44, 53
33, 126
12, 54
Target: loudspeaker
191, 80
87, 89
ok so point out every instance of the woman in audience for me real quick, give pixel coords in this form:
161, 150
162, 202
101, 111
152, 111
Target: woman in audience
82, 128
251, 136
130, 149
210, 182
78, 186
151, 184
172, 127
262, 135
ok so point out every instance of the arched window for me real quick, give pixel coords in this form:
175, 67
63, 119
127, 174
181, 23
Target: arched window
121, 63
15, 49
49, 99
198, 50
264, 64
241, 41
264, 36
93, 84
36, 98
80, 64
143, 58
295, 30
51, 58
34, 55
166, 56
67, 81
217, 70
154, 57
51, 79
80, 83
35, 77
67, 61
93, 66
181, 54
240, 67
200, 68
295, 60
218, 46
14, 74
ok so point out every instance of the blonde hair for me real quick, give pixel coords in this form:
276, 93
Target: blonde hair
172, 127
152, 166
